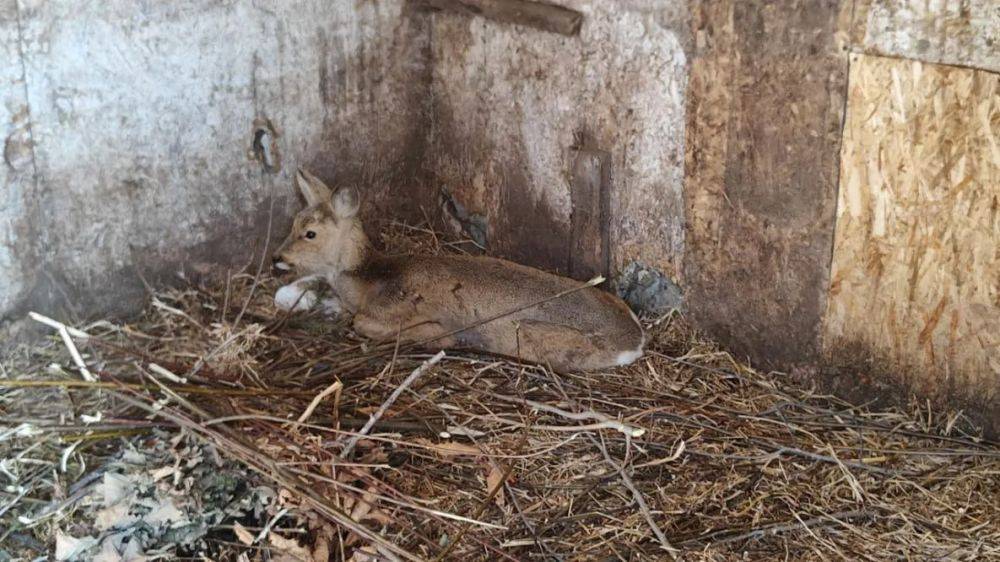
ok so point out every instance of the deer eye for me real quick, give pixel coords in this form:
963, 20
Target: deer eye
310, 234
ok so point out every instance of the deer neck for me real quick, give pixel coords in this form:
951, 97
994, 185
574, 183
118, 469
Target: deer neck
356, 251
343, 278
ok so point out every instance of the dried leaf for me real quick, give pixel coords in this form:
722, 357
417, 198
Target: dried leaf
114, 488
494, 481
245, 536
68, 548
161, 473
321, 548
366, 553
114, 517
361, 509
166, 512
289, 550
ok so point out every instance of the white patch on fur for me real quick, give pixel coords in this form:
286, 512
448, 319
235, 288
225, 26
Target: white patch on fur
298, 296
294, 297
627, 357
283, 266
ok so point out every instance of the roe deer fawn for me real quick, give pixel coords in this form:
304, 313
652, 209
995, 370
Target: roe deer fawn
433, 298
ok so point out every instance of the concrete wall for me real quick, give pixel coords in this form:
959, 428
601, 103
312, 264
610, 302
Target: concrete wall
510, 103
128, 131
960, 33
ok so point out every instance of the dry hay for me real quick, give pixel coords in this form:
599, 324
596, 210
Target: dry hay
472, 458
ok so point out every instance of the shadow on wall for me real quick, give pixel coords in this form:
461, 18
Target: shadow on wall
856, 372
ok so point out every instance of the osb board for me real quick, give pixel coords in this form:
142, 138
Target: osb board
957, 32
916, 261
764, 115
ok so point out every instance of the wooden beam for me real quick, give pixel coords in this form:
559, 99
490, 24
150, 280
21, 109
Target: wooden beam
547, 17
590, 194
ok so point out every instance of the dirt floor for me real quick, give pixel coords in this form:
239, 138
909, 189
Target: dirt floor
214, 427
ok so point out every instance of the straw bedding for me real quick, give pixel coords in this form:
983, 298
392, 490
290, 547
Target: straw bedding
220, 428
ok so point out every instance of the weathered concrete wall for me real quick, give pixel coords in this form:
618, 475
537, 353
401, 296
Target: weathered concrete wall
16, 168
963, 33
510, 103
129, 130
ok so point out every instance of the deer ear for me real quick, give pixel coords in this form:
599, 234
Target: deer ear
313, 189
346, 202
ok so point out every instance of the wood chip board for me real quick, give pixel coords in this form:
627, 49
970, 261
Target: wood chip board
916, 260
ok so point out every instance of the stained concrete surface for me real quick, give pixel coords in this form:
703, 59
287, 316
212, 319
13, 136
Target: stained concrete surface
962, 33
510, 102
128, 130
131, 130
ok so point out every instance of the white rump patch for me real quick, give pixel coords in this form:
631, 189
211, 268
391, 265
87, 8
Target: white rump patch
627, 357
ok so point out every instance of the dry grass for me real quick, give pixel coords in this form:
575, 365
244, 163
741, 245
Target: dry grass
686, 452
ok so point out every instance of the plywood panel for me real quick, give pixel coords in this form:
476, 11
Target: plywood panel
765, 108
916, 264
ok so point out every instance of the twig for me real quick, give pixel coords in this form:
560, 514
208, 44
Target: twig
673, 456
157, 303
604, 420
64, 333
777, 528
640, 501
271, 522
167, 374
335, 387
260, 266
389, 401
75, 332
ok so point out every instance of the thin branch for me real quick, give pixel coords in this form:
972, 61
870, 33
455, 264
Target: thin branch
389, 401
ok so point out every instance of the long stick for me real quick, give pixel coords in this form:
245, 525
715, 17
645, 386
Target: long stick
389, 401
186, 389
604, 420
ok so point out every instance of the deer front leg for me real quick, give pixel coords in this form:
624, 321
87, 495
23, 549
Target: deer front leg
303, 294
